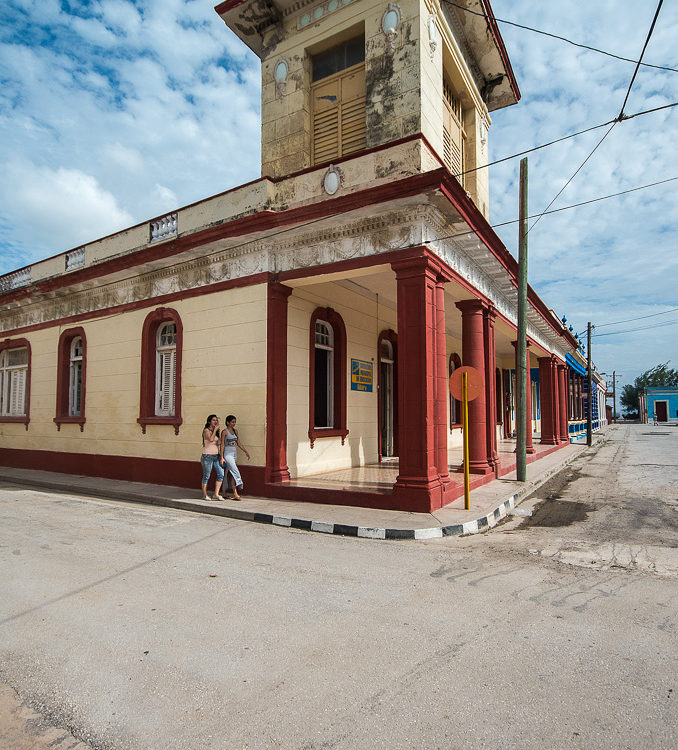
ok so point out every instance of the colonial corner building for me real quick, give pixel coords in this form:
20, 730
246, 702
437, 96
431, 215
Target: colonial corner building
324, 304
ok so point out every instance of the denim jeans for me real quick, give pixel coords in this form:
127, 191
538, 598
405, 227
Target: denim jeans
208, 462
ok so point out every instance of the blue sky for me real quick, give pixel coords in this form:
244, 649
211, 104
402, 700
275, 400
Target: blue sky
113, 112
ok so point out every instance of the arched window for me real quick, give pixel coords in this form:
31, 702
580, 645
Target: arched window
387, 382
75, 384
71, 377
327, 375
323, 405
15, 374
161, 353
455, 406
165, 370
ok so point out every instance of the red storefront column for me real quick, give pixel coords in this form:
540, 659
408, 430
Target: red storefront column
441, 394
491, 386
562, 389
555, 399
473, 355
418, 484
548, 435
276, 383
529, 445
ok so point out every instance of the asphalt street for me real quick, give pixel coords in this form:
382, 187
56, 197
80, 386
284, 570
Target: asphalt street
130, 627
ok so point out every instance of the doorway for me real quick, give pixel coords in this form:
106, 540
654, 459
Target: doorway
388, 391
661, 410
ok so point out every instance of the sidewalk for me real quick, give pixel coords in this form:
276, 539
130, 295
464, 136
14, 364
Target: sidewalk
489, 503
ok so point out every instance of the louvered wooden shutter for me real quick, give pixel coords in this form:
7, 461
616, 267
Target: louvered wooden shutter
75, 390
453, 134
167, 366
338, 104
17, 393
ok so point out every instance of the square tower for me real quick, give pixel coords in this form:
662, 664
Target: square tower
342, 78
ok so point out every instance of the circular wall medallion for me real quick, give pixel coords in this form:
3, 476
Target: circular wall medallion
332, 180
305, 19
333, 5
281, 70
390, 20
318, 13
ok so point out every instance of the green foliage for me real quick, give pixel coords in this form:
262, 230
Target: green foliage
660, 376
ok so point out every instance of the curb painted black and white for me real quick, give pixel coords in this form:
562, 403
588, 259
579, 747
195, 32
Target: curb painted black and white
478, 526
368, 532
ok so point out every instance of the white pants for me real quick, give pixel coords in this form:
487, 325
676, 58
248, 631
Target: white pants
230, 465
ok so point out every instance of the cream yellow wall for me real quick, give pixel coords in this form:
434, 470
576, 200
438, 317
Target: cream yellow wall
224, 371
362, 330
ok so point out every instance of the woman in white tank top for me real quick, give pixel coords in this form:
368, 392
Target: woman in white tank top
228, 452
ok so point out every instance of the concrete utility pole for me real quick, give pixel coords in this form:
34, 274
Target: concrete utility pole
521, 345
614, 396
589, 410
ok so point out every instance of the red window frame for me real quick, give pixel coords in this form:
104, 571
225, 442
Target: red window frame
20, 344
338, 429
149, 333
64, 378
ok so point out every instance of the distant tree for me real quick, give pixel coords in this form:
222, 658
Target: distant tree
660, 376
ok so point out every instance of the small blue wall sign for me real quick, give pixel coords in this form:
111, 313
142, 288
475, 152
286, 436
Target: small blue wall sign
361, 375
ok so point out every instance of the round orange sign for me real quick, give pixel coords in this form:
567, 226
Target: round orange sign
474, 386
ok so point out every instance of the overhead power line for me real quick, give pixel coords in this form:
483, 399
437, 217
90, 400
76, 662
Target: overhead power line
623, 118
640, 317
576, 172
618, 119
585, 203
635, 72
561, 38
641, 328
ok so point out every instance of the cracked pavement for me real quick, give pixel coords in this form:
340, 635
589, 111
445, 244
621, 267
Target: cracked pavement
129, 627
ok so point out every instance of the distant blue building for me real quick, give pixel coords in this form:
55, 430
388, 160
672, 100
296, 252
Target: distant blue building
661, 403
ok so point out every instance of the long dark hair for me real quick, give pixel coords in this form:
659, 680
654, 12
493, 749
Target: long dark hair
207, 424
228, 419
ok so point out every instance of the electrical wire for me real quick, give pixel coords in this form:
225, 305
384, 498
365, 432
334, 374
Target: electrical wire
633, 330
624, 118
576, 172
640, 317
635, 72
561, 38
618, 119
585, 203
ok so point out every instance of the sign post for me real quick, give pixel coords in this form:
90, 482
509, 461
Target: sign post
466, 384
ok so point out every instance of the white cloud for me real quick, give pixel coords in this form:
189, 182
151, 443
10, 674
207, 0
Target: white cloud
132, 109
64, 203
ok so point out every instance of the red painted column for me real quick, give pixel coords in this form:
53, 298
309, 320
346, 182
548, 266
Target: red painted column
418, 485
562, 388
276, 383
555, 399
473, 355
489, 317
548, 436
442, 390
